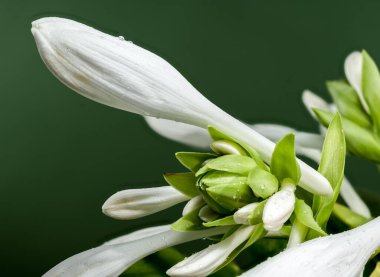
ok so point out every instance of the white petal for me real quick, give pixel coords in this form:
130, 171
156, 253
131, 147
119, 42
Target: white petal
122, 75
206, 261
193, 203
311, 101
241, 215
180, 132
135, 203
139, 234
112, 260
279, 208
344, 254
353, 69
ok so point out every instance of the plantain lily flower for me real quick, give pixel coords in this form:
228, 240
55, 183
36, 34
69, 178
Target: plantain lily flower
343, 254
122, 75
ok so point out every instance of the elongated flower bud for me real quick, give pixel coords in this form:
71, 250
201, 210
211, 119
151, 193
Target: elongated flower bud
135, 203
120, 74
206, 261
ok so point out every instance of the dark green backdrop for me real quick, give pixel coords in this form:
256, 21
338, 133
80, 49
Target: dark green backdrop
62, 155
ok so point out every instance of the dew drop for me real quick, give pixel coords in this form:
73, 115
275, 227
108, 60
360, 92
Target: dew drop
120, 38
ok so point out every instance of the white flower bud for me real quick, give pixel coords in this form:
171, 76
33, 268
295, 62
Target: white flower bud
136, 203
279, 208
123, 75
353, 70
206, 261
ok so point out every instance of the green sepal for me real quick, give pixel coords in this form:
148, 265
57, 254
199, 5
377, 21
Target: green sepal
349, 217
360, 141
183, 182
262, 183
189, 222
348, 103
230, 163
227, 147
228, 220
258, 233
305, 216
284, 163
231, 196
193, 161
332, 167
214, 178
217, 135
371, 89
257, 215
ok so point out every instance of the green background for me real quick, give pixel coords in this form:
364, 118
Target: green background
62, 155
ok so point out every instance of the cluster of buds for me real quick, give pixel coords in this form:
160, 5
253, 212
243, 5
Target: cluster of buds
357, 101
247, 189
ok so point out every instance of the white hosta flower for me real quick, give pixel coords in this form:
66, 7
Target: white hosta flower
279, 208
343, 254
136, 203
241, 215
123, 75
353, 67
206, 261
112, 258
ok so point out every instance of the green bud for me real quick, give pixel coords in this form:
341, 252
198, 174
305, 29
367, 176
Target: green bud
262, 183
348, 103
231, 196
257, 215
213, 178
226, 147
360, 141
230, 163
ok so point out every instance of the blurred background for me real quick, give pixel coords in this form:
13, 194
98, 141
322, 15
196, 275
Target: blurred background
62, 156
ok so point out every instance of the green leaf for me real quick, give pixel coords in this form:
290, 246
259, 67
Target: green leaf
262, 183
348, 103
189, 222
183, 182
284, 164
228, 220
227, 147
349, 217
193, 160
305, 215
217, 135
214, 178
257, 215
360, 141
230, 163
371, 89
332, 167
231, 196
